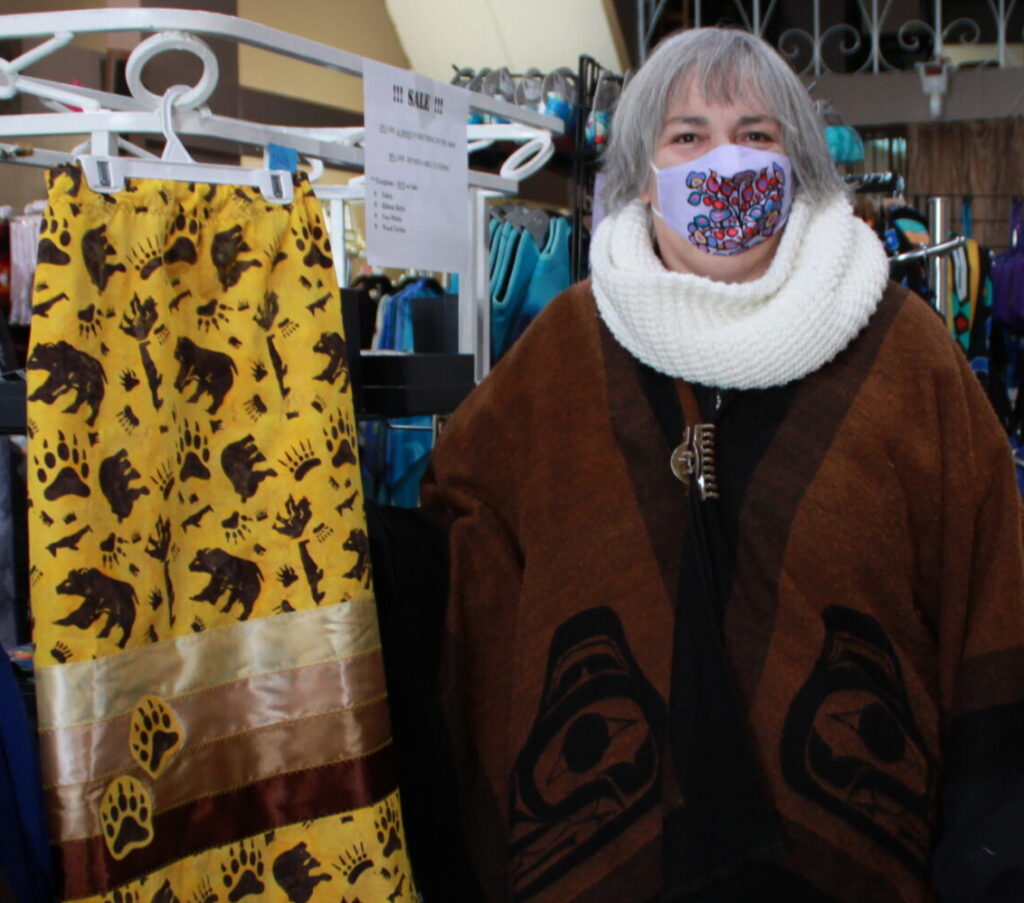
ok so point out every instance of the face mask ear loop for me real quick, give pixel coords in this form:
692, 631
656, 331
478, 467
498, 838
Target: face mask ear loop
654, 209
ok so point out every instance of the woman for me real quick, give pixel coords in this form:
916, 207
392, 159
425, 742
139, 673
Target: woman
735, 549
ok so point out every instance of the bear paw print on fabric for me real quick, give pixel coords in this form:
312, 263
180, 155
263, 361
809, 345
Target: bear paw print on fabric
204, 893
242, 874
128, 379
165, 893
352, 863
181, 240
209, 316
299, 460
88, 321
146, 258
236, 527
286, 575
61, 652
155, 734
259, 371
340, 439
122, 895
74, 468
128, 419
388, 825
193, 453
112, 549
255, 407
126, 815
51, 251
312, 255
163, 479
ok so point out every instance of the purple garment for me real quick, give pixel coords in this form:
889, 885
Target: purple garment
1008, 275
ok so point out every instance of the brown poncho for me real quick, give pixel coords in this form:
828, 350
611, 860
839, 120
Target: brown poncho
866, 555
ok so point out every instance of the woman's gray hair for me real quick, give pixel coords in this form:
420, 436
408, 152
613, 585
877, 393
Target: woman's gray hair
727, 65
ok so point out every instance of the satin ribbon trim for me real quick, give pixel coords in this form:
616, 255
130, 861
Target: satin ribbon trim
84, 692
91, 752
231, 763
332, 789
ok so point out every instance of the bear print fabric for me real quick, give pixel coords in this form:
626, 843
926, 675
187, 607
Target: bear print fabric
211, 697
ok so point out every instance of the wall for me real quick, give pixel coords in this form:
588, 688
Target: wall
359, 26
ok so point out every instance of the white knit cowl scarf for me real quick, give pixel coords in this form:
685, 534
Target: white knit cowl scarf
825, 281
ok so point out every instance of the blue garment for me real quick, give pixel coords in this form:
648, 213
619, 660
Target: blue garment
393, 459
24, 847
506, 238
507, 300
844, 144
8, 597
551, 276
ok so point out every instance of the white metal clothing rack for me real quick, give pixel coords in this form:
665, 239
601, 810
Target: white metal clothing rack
105, 117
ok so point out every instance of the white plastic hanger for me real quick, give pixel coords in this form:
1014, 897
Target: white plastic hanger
107, 174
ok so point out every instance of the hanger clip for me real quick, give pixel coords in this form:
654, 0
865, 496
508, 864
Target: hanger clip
107, 175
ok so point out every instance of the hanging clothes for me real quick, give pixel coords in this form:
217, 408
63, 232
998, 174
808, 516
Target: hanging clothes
528, 267
551, 276
211, 697
24, 848
395, 451
1008, 274
25, 231
512, 286
11, 605
970, 308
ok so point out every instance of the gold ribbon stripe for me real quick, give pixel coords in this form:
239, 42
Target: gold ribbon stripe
83, 692
91, 752
231, 763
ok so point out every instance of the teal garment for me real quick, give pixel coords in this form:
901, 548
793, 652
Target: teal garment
407, 450
551, 276
507, 237
844, 144
393, 459
493, 228
507, 301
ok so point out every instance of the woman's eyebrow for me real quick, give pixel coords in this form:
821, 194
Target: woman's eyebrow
688, 120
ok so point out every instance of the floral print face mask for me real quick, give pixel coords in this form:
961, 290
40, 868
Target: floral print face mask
728, 200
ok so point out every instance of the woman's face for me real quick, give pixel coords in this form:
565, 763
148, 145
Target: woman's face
692, 128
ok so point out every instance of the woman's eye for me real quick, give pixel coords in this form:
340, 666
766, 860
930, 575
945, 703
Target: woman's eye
760, 137
686, 138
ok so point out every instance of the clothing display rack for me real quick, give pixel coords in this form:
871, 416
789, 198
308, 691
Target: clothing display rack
584, 168
107, 157
940, 242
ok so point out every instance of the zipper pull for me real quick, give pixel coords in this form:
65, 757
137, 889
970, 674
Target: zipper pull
693, 460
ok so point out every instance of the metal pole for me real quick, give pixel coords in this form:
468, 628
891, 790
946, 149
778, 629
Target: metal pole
474, 297
641, 31
938, 266
937, 52
817, 37
1001, 34
876, 38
